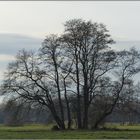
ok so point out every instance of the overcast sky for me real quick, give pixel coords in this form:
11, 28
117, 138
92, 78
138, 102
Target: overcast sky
38, 18
24, 24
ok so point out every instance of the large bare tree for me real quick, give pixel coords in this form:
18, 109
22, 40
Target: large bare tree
79, 65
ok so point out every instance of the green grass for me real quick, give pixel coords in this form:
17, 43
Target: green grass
44, 132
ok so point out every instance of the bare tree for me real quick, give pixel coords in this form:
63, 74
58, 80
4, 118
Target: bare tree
87, 43
80, 64
25, 78
127, 66
56, 63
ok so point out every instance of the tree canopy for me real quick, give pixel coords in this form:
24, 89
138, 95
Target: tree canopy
73, 72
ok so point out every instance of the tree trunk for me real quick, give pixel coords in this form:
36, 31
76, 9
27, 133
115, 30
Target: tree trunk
85, 119
86, 99
68, 108
78, 104
79, 120
57, 119
86, 104
59, 93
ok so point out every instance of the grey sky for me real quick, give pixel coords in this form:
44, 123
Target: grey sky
24, 24
38, 18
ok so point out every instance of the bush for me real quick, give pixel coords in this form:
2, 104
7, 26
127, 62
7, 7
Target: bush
55, 128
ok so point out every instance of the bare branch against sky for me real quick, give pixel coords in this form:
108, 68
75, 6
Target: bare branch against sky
24, 24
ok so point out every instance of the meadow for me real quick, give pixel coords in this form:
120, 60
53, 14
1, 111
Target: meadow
44, 132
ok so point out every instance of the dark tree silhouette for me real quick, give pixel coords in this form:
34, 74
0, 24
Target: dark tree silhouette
79, 65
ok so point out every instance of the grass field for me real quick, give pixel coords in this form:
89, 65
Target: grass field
44, 132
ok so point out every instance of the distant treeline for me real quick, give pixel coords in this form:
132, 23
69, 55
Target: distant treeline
12, 114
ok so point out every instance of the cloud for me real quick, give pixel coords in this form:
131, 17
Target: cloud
5, 57
12, 43
120, 45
